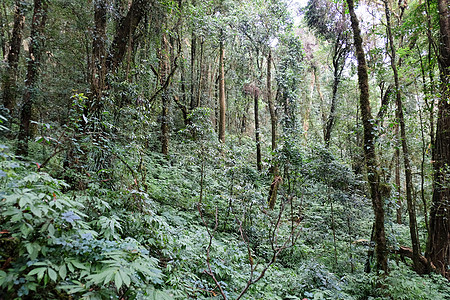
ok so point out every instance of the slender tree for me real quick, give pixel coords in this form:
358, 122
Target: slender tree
9, 82
222, 99
330, 23
98, 68
273, 116
406, 156
257, 128
369, 144
34, 60
164, 70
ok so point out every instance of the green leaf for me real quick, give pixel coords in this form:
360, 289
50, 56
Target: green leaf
70, 266
125, 277
62, 271
35, 271
25, 229
78, 265
2, 277
39, 271
118, 280
36, 211
23, 202
52, 274
51, 229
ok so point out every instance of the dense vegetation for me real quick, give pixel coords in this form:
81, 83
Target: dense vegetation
224, 149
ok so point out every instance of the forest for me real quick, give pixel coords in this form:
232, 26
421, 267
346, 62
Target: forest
224, 149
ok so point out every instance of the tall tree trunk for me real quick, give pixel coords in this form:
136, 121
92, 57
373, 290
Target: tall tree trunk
406, 160
308, 97
9, 85
339, 56
163, 55
222, 100
36, 44
438, 248
98, 69
3, 31
193, 56
321, 97
369, 144
200, 68
273, 117
257, 137
397, 180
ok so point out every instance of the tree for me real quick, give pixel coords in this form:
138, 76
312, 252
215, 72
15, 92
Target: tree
273, 116
9, 82
222, 99
98, 68
330, 23
438, 247
124, 34
369, 143
406, 155
34, 60
164, 70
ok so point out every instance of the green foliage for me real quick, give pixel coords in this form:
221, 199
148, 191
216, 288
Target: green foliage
96, 212
51, 245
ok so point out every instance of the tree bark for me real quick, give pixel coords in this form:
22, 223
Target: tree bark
125, 31
98, 69
406, 159
438, 248
273, 117
222, 100
369, 144
193, 56
9, 82
164, 70
397, 180
36, 45
257, 137
339, 56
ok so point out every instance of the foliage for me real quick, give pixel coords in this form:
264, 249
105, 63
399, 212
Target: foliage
50, 244
95, 211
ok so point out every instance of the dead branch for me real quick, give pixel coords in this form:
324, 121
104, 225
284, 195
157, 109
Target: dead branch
208, 257
276, 250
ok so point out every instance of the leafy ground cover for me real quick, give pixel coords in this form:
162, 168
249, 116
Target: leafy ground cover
198, 222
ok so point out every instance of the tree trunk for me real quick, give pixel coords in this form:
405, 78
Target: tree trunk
3, 31
397, 180
200, 75
222, 100
36, 44
9, 85
369, 144
406, 160
125, 30
98, 69
273, 117
193, 56
257, 137
163, 55
339, 56
438, 248
321, 97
